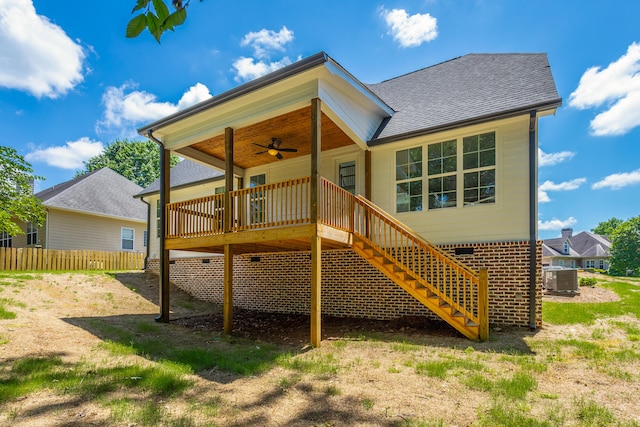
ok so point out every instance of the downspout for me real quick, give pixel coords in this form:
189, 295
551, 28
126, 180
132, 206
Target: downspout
164, 254
146, 257
533, 217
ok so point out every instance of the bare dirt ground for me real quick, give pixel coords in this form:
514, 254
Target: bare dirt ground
376, 380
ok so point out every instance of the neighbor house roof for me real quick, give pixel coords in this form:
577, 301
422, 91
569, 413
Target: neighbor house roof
466, 89
185, 173
102, 192
583, 245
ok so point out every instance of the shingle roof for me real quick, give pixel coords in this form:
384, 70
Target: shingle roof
185, 173
583, 244
466, 89
102, 192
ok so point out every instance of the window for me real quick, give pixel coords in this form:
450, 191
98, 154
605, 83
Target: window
561, 263
145, 238
158, 212
126, 236
602, 265
409, 180
347, 176
589, 263
572, 264
32, 234
565, 248
460, 172
6, 241
442, 165
257, 200
479, 158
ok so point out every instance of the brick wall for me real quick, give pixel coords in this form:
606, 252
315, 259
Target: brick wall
280, 282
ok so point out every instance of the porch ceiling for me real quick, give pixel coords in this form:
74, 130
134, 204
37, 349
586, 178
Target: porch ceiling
293, 129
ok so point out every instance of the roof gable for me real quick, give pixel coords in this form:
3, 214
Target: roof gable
102, 192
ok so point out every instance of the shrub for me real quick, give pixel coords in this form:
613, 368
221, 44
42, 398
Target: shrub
588, 281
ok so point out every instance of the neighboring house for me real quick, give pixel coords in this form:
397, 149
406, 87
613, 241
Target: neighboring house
584, 250
93, 211
446, 154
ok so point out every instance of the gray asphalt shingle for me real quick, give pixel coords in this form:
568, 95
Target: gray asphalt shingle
102, 192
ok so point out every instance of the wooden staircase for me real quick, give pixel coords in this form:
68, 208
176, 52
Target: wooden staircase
454, 292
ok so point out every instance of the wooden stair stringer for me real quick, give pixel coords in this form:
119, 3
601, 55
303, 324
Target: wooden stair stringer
426, 294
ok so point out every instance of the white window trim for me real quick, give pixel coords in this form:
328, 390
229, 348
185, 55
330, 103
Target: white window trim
133, 239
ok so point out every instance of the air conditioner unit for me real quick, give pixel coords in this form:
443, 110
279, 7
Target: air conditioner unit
561, 280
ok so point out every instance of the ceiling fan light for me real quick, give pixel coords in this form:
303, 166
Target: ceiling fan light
272, 151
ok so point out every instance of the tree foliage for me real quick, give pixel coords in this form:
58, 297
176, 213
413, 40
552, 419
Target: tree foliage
625, 248
156, 17
17, 202
138, 161
606, 228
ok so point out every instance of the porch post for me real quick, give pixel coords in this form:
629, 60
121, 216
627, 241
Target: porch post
316, 241
165, 165
228, 222
367, 174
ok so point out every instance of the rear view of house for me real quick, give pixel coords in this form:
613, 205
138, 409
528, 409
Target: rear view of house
413, 196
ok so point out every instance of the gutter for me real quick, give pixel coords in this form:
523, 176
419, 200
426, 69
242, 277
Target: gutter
549, 105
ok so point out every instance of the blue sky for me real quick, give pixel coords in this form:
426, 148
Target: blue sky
70, 82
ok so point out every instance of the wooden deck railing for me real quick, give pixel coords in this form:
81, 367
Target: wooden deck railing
264, 206
450, 280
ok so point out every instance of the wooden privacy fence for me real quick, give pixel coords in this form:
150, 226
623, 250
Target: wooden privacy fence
23, 259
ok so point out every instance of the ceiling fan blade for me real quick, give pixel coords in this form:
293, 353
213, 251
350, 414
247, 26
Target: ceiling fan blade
261, 152
279, 156
288, 150
260, 145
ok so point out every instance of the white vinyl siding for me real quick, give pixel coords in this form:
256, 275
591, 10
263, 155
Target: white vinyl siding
505, 219
72, 230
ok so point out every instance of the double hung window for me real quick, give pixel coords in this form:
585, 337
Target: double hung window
479, 164
32, 234
442, 166
6, 241
126, 237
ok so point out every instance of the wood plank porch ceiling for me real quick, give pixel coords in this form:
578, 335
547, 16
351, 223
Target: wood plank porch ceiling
293, 129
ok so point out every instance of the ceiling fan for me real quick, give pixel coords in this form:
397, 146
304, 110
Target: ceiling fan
274, 148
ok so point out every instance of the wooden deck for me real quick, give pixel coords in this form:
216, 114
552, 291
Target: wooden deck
278, 218
267, 218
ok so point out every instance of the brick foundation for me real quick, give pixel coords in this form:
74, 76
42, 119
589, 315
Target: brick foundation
280, 282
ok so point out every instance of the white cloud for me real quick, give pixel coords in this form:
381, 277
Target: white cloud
550, 159
68, 156
618, 180
617, 88
126, 107
556, 224
248, 68
410, 30
266, 41
543, 196
36, 56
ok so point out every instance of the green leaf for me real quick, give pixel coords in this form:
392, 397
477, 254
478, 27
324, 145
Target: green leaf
140, 5
136, 26
176, 18
154, 25
161, 10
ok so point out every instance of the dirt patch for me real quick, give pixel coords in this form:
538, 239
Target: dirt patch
584, 294
367, 373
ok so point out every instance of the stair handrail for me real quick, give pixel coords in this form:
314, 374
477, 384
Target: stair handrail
362, 200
